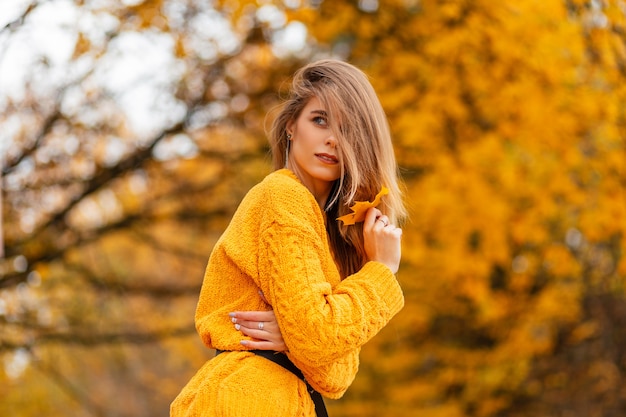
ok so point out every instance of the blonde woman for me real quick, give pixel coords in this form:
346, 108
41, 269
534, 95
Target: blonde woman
331, 286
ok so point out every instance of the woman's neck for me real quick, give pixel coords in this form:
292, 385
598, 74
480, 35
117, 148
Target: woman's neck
320, 189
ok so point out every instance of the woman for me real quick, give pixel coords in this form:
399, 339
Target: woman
331, 287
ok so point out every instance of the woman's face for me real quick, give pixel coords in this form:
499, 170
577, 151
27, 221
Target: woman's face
314, 156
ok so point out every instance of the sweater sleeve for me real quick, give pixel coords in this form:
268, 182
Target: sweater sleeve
321, 324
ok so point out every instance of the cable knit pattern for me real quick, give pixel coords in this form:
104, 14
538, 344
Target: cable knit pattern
277, 242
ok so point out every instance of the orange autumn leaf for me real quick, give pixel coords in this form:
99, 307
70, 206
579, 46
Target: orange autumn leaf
360, 207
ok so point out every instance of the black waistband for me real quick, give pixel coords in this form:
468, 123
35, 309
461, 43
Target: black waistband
282, 360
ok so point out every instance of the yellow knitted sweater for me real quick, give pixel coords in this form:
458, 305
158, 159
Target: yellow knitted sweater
277, 242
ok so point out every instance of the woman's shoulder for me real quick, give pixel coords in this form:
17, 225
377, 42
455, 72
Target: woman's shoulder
280, 183
281, 192
284, 179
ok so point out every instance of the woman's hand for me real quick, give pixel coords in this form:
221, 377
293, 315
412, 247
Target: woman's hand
381, 239
262, 327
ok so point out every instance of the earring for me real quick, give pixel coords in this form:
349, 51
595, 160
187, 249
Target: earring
287, 148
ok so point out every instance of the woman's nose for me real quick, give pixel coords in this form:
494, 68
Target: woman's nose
330, 140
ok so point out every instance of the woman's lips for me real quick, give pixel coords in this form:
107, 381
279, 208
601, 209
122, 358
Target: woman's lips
326, 158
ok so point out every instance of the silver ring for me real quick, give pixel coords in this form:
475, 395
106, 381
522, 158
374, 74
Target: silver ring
384, 222
260, 325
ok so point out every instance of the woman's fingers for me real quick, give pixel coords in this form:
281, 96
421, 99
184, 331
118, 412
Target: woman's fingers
253, 316
255, 320
257, 334
267, 339
370, 217
265, 345
382, 221
382, 239
261, 326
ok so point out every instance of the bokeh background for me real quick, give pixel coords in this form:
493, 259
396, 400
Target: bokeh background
131, 129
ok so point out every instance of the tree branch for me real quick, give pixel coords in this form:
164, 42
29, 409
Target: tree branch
101, 283
71, 390
19, 21
101, 339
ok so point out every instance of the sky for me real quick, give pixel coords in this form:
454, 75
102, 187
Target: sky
138, 69
126, 70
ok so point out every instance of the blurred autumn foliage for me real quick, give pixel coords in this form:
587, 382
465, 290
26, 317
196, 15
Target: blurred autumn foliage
124, 157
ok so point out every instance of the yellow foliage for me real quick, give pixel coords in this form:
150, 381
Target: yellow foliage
82, 45
360, 208
584, 331
149, 14
506, 131
560, 262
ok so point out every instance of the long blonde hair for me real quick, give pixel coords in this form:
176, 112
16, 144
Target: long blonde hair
367, 158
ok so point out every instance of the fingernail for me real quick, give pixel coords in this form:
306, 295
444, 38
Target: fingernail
237, 326
244, 342
234, 320
231, 314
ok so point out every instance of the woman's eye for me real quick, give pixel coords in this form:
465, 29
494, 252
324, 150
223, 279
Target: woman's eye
319, 121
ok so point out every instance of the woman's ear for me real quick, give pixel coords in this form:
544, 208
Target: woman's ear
289, 128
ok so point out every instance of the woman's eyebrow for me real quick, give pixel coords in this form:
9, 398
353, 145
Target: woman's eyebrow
320, 112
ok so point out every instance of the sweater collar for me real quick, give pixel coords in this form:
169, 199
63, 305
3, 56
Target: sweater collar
289, 173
